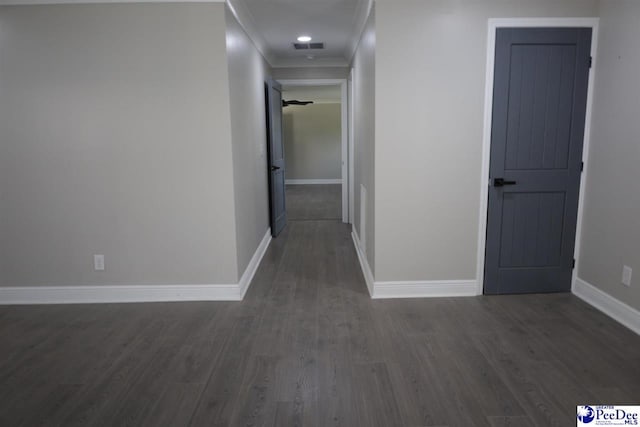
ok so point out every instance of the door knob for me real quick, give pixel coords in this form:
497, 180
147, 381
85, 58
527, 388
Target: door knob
500, 182
274, 168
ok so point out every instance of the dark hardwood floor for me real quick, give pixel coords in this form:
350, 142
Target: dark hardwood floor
309, 347
308, 202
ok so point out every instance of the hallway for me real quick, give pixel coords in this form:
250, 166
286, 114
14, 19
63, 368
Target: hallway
137, 164
308, 346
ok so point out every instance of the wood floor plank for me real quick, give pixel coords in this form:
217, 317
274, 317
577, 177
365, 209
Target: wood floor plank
144, 390
520, 375
313, 202
256, 403
44, 404
289, 414
376, 400
481, 378
175, 405
338, 393
219, 397
419, 397
510, 422
109, 388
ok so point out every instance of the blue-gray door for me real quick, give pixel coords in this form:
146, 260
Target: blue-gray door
539, 106
275, 157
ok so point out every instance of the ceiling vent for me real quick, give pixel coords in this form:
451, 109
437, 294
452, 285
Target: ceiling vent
303, 46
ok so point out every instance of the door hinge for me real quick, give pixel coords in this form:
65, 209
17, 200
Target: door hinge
573, 264
581, 166
590, 61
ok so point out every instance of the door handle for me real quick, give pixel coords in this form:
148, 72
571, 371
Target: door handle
500, 182
274, 168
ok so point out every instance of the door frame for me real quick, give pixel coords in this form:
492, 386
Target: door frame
347, 159
493, 25
352, 141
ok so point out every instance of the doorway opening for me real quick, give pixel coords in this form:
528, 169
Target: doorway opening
315, 136
311, 131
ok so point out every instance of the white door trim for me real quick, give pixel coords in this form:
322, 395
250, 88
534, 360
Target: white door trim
493, 25
344, 125
352, 142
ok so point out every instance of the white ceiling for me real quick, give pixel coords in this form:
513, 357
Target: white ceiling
275, 24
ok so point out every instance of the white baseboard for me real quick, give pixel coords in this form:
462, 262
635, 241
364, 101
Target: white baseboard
364, 264
312, 181
616, 309
425, 289
251, 269
135, 293
117, 294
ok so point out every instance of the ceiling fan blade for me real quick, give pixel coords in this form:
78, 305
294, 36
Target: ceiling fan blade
295, 102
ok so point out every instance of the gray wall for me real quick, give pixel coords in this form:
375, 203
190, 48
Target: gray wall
247, 74
115, 130
611, 231
430, 79
297, 73
364, 81
312, 141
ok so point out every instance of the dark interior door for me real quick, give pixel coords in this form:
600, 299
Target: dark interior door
275, 157
539, 105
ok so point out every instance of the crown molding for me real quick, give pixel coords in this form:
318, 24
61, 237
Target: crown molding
246, 20
362, 16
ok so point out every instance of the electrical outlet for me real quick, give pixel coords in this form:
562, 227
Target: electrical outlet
98, 262
626, 275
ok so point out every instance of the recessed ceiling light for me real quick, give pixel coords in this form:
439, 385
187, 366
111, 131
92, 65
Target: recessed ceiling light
304, 39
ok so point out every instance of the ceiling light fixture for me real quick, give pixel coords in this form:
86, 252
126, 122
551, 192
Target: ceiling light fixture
304, 39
